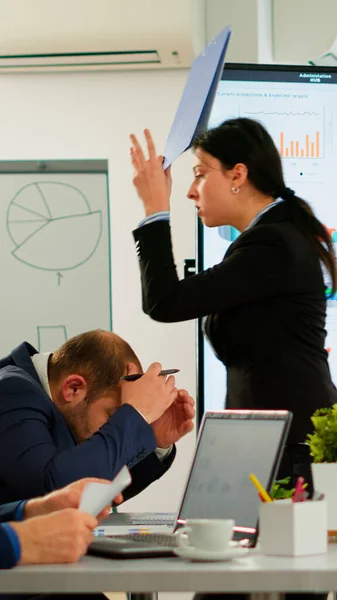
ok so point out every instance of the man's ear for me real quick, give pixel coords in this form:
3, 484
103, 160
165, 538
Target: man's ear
74, 389
131, 368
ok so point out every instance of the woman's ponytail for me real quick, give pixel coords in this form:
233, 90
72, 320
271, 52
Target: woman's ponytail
315, 232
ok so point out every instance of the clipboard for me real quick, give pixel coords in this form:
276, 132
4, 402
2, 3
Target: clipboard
196, 102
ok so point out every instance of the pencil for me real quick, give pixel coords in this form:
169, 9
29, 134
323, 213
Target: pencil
262, 492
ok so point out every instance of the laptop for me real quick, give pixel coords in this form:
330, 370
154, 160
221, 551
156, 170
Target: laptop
231, 444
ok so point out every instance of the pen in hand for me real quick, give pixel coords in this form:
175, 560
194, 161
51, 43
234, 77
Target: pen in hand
136, 376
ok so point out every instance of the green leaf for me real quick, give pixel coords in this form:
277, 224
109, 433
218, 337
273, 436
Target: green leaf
323, 440
283, 481
278, 492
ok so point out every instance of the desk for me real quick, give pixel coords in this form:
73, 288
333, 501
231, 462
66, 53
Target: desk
254, 573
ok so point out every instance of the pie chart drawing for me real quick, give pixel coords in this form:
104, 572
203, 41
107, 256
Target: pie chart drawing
52, 226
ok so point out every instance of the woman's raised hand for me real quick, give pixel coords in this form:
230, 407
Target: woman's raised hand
153, 185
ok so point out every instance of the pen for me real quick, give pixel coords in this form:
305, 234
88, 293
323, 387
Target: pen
299, 490
262, 492
136, 376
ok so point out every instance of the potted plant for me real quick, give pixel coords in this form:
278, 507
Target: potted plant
280, 489
323, 449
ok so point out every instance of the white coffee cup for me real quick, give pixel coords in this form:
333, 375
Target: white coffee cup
206, 534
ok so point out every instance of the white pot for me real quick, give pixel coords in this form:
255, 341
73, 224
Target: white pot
289, 528
325, 481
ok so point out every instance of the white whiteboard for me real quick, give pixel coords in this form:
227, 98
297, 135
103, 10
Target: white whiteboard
55, 251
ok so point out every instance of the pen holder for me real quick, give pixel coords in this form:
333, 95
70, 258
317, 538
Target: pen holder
293, 528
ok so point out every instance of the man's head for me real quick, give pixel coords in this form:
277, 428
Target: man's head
84, 376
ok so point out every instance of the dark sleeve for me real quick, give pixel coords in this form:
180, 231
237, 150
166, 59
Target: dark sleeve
32, 465
258, 267
8, 551
9, 512
146, 471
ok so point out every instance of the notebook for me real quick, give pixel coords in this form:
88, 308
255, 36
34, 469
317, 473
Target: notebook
230, 446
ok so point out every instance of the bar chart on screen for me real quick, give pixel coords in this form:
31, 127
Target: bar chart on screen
298, 134
295, 149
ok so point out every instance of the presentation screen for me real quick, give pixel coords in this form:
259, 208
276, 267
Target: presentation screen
298, 106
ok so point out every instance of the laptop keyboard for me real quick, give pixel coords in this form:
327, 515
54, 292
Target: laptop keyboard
153, 520
164, 540
167, 540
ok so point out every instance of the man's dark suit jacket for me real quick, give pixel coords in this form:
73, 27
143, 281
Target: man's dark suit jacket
38, 452
8, 511
265, 307
7, 556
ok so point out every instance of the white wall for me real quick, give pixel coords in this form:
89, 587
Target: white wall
251, 23
89, 115
303, 29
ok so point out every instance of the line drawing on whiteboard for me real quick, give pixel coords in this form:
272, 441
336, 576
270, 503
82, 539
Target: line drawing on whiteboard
50, 337
52, 226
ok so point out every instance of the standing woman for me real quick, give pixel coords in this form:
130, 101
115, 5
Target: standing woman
265, 303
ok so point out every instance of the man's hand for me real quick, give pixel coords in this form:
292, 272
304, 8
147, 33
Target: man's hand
67, 497
176, 420
62, 537
151, 394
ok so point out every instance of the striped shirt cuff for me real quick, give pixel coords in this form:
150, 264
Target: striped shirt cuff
162, 215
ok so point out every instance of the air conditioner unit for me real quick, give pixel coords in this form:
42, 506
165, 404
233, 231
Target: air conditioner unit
49, 35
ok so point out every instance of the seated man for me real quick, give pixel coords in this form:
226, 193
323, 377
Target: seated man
42, 537
68, 415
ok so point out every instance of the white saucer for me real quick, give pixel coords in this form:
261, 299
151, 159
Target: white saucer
195, 554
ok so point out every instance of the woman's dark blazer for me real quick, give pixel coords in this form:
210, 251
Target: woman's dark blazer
266, 309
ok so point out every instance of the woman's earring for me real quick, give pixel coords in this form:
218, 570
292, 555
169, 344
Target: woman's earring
235, 190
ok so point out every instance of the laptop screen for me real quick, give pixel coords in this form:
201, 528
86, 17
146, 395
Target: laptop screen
229, 449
